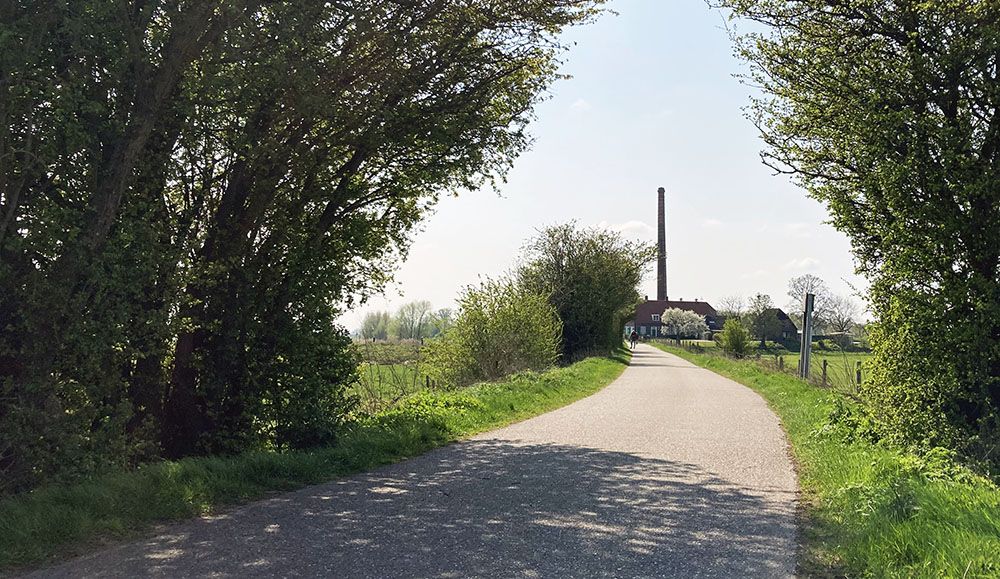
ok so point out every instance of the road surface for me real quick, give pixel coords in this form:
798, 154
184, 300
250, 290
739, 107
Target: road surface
671, 471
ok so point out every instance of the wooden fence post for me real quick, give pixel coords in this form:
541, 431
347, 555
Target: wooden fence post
427, 381
824, 372
781, 362
857, 372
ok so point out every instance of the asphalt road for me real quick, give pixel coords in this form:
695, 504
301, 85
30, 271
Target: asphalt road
671, 471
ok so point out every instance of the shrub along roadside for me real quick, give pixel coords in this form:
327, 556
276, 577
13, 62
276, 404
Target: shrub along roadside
59, 520
502, 328
873, 511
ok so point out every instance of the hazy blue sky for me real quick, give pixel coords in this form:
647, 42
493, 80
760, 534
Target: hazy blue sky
653, 102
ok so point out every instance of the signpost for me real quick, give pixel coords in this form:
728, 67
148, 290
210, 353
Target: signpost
807, 333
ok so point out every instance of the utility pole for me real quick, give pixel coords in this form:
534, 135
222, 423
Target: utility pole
807, 333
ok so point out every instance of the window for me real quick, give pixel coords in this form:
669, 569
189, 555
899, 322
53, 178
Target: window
656, 317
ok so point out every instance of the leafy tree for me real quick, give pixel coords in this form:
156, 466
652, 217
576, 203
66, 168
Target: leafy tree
734, 338
375, 326
412, 320
732, 307
798, 287
763, 318
591, 277
440, 321
191, 193
501, 328
682, 323
842, 314
888, 114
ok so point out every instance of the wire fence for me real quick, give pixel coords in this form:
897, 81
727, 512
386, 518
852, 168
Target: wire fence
843, 372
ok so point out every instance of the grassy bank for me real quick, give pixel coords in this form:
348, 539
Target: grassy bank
60, 520
873, 511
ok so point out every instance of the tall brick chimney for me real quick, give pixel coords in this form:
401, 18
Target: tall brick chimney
661, 241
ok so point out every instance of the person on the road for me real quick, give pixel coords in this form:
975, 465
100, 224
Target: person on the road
633, 337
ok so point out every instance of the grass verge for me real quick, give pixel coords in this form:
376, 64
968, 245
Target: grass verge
873, 511
61, 520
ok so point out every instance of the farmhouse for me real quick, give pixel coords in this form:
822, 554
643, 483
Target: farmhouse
789, 332
647, 316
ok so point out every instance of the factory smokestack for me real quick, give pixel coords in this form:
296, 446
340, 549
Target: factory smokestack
661, 244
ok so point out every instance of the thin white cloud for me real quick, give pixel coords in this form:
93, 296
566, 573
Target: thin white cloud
803, 263
754, 274
711, 223
580, 106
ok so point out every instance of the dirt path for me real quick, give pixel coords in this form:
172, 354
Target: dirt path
671, 471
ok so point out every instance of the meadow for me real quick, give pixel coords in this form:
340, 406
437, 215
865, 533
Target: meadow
841, 366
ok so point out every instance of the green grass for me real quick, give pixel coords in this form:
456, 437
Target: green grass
840, 367
61, 520
872, 511
380, 386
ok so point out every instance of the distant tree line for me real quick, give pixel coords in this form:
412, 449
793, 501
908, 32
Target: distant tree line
192, 192
412, 321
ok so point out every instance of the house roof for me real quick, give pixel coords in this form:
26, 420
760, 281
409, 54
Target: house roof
787, 325
644, 313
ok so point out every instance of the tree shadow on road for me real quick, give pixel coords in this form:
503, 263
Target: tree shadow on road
486, 508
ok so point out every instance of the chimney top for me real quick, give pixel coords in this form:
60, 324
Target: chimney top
661, 190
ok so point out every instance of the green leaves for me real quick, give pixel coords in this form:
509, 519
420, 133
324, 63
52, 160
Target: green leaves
190, 194
734, 339
591, 277
502, 328
888, 113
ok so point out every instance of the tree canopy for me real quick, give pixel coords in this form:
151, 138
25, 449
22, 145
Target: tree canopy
798, 287
190, 193
682, 323
501, 328
889, 114
591, 277
763, 318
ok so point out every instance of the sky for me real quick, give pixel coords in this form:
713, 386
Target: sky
653, 101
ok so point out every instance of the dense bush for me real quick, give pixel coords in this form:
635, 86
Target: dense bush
501, 328
887, 113
591, 277
734, 338
183, 220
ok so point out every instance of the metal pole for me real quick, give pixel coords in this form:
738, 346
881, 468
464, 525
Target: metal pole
806, 347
